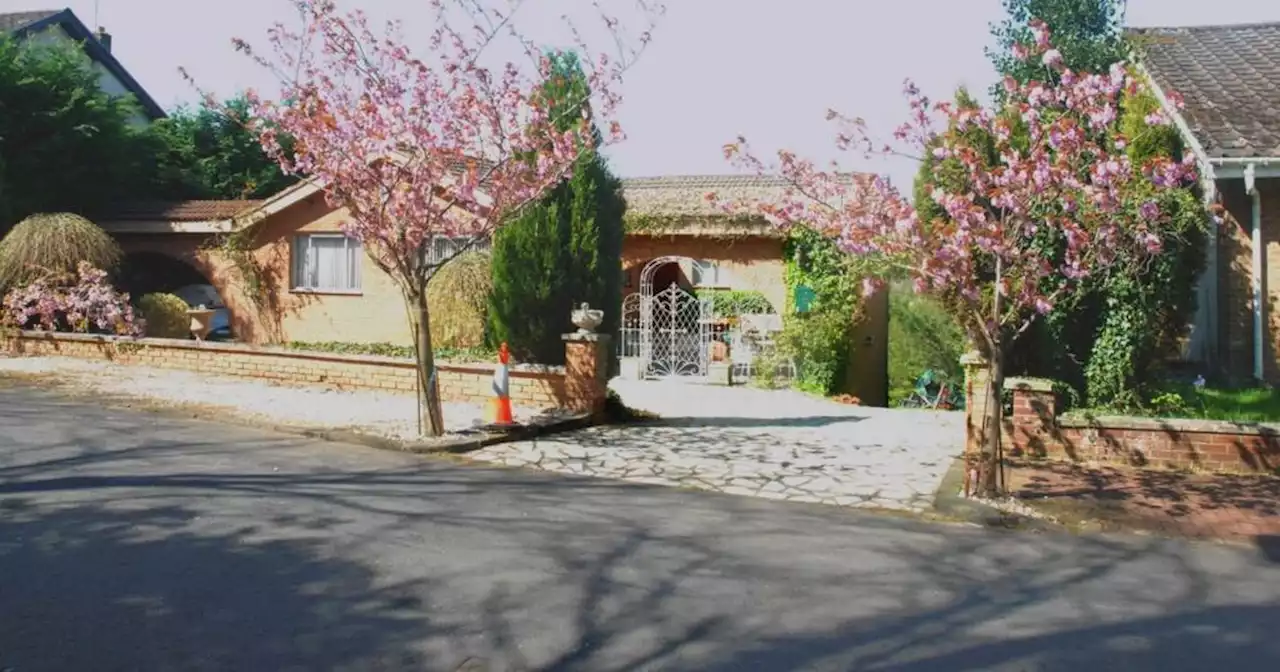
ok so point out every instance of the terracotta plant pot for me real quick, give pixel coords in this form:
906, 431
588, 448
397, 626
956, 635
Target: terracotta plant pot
719, 351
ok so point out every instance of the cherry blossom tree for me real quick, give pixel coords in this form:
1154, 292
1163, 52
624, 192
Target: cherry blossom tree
1039, 198
419, 147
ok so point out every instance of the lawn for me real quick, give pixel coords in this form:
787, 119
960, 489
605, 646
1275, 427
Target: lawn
1240, 405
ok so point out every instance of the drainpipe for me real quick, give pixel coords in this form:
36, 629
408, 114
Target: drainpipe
1251, 188
1209, 281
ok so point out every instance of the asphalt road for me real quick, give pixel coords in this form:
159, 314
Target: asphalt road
134, 542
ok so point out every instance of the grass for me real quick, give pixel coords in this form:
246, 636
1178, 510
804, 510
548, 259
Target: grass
1183, 400
1239, 405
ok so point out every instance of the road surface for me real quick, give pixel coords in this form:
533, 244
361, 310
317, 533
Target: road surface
130, 541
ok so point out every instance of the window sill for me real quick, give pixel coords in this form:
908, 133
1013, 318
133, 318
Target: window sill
327, 292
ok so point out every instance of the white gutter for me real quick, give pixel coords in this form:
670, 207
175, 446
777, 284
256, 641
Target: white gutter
1259, 333
1204, 335
1233, 168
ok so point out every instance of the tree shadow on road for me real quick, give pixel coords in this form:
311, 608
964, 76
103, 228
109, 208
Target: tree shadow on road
266, 552
91, 588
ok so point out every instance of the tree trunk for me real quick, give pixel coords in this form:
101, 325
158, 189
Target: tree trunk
432, 418
989, 485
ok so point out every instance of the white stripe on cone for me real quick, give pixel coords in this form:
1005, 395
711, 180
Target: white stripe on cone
501, 382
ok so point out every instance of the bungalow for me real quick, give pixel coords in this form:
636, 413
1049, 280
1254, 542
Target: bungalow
64, 25
1229, 79
285, 271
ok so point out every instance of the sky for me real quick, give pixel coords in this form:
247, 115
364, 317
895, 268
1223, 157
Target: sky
716, 69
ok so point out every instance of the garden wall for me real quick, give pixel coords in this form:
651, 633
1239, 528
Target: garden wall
579, 385
1035, 429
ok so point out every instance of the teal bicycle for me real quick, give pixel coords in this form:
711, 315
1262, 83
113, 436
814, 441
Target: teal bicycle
934, 391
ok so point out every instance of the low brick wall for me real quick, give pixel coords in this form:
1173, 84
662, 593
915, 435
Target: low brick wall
530, 386
1035, 429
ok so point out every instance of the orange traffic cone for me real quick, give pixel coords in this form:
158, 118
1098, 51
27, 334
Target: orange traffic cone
502, 390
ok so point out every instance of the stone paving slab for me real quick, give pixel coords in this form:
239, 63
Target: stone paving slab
775, 444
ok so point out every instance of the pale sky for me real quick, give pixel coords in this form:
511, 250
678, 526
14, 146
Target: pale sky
765, 69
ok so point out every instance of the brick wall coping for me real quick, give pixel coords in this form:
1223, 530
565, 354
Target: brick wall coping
1080, 420
527, 370
1030, 384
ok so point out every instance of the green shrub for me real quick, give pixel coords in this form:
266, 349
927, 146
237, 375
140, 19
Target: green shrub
735, 302
45, 244
479, 354
922, 335
818, 342
165, 316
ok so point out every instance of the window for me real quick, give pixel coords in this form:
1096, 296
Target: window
709, 274
326, 262
443, 248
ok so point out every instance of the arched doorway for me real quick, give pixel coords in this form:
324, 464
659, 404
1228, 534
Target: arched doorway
145, 272
673, 325
150, 272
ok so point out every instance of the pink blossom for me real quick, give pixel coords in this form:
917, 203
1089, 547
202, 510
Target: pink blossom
1070, 175
84, 302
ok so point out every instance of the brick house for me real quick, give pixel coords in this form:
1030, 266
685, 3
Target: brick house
312, 283
1229, 79
47, 25
335, 298
672, 217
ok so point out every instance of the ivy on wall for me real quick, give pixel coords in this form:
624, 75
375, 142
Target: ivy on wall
822, 299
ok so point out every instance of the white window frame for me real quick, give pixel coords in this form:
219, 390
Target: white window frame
446, 247
302, 242
708, 274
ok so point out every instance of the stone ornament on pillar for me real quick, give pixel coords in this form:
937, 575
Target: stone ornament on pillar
586, 319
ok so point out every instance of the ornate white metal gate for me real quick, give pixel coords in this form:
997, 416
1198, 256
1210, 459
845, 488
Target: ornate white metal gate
669, 331
675, 333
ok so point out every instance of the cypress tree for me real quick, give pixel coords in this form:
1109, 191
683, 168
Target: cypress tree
562, 251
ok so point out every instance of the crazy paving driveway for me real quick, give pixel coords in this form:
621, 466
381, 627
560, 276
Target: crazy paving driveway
776, 444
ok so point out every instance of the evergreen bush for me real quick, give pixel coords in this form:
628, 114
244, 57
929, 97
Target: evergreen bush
165, 316
558, 253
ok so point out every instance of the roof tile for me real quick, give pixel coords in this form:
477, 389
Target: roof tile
1229, 79
686, 195
179, 211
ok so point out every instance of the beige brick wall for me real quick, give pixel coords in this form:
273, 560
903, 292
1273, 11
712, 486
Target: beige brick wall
277, 313
752, 262
469, 383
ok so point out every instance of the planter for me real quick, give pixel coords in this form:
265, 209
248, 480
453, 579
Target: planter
586, 319
201, 322
719, 351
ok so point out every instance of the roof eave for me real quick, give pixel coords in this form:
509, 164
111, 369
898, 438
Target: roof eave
1233, 168
166, 226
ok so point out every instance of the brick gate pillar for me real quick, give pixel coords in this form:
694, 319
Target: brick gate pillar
586, 372
976, 374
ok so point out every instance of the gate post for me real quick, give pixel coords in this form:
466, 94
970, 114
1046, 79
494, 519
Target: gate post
976, 374
586, 372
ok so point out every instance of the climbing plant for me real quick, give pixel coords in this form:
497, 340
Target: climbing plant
822, 302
